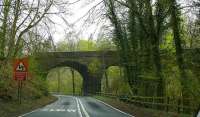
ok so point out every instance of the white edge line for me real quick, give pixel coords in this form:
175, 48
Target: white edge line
29, 112
115, 108
84, 111
35, 110
79, 110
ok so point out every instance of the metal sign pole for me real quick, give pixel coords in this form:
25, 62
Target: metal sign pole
20, 69
18, 91
20, 101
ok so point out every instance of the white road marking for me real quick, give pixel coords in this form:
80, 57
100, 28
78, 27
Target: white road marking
115, 108
83, 108
28, 113
46, 106
78, 107
51, 110
45, 109
71, 110
58, 110
198, 114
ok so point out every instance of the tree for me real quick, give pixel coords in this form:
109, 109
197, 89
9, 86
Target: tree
130, 33
104, 44
19, 22
62, 46
21, 17
120, 40
86, 45
175, 22
4, 27
193, 27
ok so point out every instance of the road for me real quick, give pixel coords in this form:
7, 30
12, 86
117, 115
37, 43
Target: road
69, 106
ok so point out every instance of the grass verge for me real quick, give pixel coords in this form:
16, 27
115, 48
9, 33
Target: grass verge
14, 109
136, 111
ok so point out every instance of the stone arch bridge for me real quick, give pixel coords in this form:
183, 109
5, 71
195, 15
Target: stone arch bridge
90, 64
84, 63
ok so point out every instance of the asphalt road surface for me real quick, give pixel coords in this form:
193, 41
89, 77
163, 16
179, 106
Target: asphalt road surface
69, 106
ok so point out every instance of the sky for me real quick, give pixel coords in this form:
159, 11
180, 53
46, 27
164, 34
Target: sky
75, 11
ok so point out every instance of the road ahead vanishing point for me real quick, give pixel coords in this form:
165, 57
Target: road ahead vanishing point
70, 106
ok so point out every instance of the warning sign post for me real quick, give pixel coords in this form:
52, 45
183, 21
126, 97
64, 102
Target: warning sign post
20, 69
20, 73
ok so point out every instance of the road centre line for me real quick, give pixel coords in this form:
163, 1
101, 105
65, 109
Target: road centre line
83, 108
78, 107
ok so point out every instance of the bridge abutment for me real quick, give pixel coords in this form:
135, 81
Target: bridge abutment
95, 84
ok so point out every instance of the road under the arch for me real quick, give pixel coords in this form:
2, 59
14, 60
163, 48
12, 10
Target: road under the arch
70, 106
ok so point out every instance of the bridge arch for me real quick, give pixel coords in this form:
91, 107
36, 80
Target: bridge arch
60, 81
81, 68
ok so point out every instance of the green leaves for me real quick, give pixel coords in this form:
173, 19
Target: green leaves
94, 66
168, 43
86, 45
65, 81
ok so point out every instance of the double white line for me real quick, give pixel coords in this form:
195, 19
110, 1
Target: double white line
80, 106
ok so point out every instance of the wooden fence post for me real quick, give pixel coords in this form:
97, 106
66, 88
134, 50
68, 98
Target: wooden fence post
179, 104
167, 104
153, 100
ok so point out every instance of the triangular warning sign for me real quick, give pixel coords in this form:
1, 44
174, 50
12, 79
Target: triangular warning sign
21, 67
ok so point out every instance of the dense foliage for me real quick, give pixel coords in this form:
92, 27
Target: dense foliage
19, 38
157, 42
60, 80
152, 38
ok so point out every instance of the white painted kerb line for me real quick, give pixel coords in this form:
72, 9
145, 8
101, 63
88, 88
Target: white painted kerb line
83, 108
115, 108
28, 113
78, 107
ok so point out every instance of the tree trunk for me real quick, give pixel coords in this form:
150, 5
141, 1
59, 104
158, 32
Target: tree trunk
4, 27
73, 82
133, 38
12, 39
107, 82
120, 40
58, 88
155, 49
175, 21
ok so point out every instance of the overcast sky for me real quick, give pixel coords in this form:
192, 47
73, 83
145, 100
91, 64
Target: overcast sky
75, 11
